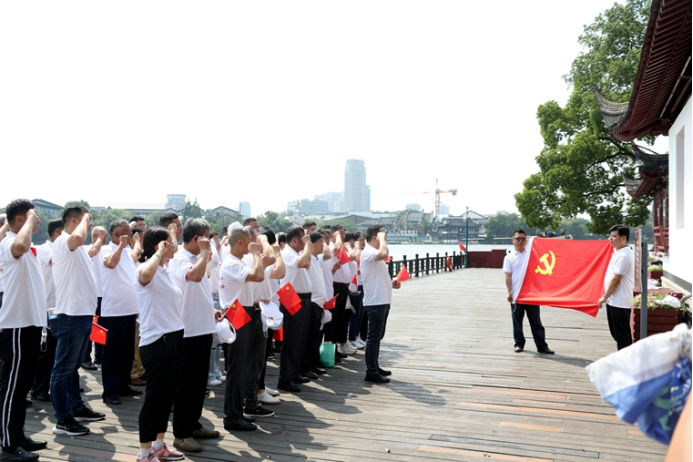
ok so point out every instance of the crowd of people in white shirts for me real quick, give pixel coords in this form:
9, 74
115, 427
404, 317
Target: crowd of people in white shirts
161, 304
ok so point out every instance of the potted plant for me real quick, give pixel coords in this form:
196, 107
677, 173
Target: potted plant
662, 314
655, 272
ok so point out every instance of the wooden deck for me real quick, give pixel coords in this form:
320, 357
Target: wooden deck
458, 392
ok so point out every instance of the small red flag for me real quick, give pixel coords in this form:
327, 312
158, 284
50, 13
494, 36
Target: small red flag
403, 274
566, 273
237, 315
289, 298
278, 334
33, 250
98, 334
387, 260
462, 248
95, 319
355, 280
343, 256
331, 303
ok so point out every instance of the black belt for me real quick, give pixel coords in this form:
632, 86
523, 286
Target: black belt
305, 295
341, 283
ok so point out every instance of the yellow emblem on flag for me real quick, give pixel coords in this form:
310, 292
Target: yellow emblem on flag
548, 267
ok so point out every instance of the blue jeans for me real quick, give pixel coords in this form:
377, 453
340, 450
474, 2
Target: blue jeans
72, 333
518, 312
377, 320
355, 322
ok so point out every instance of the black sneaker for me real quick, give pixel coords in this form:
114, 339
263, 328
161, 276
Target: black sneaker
18, 454
70, 427
258, 412
87, 415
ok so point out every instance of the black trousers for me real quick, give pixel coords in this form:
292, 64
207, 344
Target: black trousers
44, 366
256, 363
18, 356
118, 353
237, 357
518, 311
339, 323
311, 354
619, 325
294, 340
98, 348
162, 359
190, 396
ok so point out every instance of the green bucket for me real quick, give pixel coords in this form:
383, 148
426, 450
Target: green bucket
327, 354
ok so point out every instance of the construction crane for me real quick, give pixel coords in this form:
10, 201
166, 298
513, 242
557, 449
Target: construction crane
438, 192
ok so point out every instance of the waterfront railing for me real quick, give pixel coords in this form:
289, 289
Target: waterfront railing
425, 266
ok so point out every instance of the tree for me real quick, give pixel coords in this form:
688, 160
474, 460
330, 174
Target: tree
41, 235
581, 164
505, 224
348, 225
153, 218
107, 216
192, 210
425, 226
71, 203
273, 220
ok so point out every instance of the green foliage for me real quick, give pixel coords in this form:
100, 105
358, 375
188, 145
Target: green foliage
104, 219
348, 226
274, 220
153, 219
581, 165
71, 203
505, 224
41, 235
425, 226
192, 210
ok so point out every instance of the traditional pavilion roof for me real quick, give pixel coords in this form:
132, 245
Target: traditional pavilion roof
663, 81
652, 168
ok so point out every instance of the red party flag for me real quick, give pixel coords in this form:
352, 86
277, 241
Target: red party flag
237, 315
95, 319
343, 256
403, 274
289, 298
462, 248
566, 273
331, 303
278, 334
98, 334
355, 280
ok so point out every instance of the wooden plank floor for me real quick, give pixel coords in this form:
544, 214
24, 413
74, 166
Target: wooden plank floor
458, 392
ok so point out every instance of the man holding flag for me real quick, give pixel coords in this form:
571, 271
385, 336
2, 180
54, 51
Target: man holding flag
515, 268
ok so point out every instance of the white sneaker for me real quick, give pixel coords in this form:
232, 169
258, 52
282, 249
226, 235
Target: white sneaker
346, 349
271, 392
222, 378
266, 398
356, 344
214, 383
361, 343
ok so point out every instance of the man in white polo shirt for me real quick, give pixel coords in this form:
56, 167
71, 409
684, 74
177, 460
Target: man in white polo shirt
22, 316
377, 296
336, 330
311, 365
188, 270
619, 282
118, 314
515, 267
75, 304
44, 253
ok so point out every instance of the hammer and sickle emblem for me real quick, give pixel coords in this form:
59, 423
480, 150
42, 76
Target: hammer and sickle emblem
548, 267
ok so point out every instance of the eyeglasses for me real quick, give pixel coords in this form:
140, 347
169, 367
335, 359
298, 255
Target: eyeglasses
520, 239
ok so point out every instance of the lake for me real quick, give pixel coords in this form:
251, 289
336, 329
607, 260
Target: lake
397, 251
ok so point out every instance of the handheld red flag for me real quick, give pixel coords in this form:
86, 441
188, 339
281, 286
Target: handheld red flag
98, 334
289, 298
237, 315
278, 334
462, 248
387, 260
403, 274
566, 273
343, 256
355, 280
331, 303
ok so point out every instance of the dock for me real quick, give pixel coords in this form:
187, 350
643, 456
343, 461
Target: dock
458, 392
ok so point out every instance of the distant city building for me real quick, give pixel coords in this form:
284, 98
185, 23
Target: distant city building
175, 201
307, 207
335, 201
356, 191
224, 215
444, 209
414, 207
50, 209
244, 209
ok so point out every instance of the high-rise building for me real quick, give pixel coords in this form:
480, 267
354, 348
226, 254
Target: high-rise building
175, 201
308, 207
356, 191
414, 207
444, 209
335, 201
244, 209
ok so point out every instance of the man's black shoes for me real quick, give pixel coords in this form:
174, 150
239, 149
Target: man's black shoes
112, 400
546, 350
289, 386
18, 455
90, 366
239, 425
31, 445
41, 396
383, 372
376, 378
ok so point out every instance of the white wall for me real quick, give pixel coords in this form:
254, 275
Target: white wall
681, 196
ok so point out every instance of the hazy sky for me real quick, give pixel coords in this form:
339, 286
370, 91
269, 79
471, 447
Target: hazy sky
264, 101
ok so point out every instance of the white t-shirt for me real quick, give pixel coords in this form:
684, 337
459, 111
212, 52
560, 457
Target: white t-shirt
232, 283
97, 272
298, 277
317, 282
377, 286
343, 274
159, 307
267, 289
24, 300
44, 253
353, 269
622, 262
119, 297
198, 306
75, 287
327, 275
214, 269
515, 263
